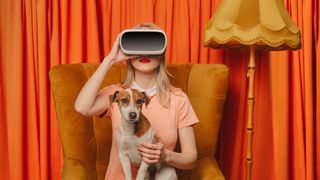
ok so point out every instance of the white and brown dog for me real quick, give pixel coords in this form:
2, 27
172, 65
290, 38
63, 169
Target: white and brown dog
135, 129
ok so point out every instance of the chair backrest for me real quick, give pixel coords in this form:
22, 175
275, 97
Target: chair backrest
88, 140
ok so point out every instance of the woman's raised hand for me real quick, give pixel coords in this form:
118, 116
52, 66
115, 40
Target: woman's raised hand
116, 54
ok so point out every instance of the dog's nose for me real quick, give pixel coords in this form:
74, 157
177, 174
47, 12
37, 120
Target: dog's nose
132, 115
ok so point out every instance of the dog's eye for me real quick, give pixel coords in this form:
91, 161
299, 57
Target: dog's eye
139, 101
124, 101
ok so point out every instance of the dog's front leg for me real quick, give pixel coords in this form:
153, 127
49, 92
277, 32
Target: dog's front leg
126, 166
143, 170
165, 172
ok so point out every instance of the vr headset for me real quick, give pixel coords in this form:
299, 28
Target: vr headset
143, 41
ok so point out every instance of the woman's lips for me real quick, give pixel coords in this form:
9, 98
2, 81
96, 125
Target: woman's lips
144, 60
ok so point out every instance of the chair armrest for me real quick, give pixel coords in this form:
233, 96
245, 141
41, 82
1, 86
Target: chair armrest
74, 169
207, 168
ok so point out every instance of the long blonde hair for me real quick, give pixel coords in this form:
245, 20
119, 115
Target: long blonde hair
163, 83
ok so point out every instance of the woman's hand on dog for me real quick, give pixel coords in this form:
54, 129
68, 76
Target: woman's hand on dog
153, 153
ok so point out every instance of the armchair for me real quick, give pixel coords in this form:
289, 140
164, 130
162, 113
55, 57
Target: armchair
86, 141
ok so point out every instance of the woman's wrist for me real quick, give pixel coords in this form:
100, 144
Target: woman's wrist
109, 60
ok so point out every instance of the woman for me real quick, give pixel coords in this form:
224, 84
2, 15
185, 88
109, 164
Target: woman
169, 111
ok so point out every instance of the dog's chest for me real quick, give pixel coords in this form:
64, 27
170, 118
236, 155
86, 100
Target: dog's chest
128, 145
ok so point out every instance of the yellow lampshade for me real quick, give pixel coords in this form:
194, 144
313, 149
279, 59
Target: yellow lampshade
263, 23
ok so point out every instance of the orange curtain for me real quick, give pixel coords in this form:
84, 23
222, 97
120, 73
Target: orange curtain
36, 35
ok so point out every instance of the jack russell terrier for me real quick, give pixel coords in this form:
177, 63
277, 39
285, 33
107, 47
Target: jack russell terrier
135, 129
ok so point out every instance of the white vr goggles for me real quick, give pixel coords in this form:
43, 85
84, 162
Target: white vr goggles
143, 41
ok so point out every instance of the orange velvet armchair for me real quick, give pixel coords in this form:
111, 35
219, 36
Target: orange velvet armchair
86, 141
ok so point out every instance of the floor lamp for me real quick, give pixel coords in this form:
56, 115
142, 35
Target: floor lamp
255, 25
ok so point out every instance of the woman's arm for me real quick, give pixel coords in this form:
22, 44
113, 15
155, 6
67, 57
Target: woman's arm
88, 103
187, 159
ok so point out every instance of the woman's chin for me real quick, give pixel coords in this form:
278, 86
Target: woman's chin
146, 70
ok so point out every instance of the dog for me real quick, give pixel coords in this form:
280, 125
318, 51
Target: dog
135, 129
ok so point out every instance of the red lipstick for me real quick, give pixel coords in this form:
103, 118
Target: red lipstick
144, 60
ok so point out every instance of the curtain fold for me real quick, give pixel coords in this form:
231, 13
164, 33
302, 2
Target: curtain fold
36, 35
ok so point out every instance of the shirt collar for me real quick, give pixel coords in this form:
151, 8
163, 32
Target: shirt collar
150, 92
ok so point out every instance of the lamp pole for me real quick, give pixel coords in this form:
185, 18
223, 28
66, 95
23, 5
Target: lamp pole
250, 75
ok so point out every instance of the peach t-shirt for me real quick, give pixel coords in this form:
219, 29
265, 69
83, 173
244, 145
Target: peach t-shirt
165, 122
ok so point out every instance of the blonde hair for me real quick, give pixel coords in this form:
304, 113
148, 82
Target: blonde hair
163, 83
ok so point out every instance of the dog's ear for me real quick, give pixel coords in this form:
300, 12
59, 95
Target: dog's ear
113, 98
146, 98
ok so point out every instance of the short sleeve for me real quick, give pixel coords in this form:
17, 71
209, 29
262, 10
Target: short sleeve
186, 114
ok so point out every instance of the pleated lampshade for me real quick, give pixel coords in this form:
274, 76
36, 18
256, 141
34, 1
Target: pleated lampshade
258, 24
263, 23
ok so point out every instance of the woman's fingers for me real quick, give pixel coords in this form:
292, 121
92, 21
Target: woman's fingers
154, 152
115, 47
150, 156
149, 161
157, 146
116, 53
151, 153
123, 57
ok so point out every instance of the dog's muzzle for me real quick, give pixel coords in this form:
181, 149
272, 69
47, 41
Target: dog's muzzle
132, 116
